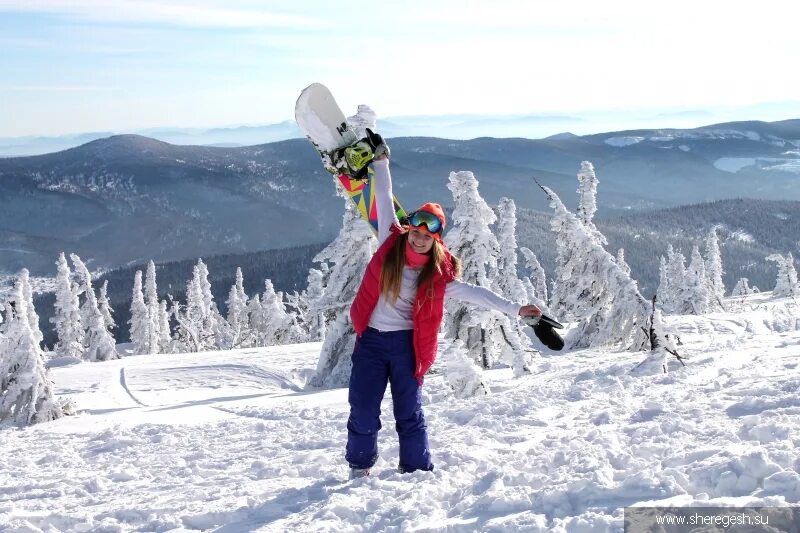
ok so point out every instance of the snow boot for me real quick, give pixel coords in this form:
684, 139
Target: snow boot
356, 473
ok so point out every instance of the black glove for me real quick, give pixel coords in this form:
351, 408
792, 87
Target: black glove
378, 145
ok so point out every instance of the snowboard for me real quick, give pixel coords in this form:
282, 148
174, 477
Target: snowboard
545, 329
324, 124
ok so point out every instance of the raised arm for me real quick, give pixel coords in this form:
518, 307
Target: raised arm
382, 183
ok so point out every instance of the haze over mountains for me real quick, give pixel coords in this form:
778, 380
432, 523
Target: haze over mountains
127, 199
453, 126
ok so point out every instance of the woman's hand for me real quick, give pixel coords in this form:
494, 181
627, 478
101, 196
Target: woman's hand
529, 310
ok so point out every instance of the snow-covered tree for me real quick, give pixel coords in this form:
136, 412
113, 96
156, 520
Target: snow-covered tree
613, 310
275, 326
33, 317
671, 289
26, 394
513, 341
315, 320
165, 335
348, 254
471, 240
572, 296
714, 271
786, 283
364, 118
664, 290
105, 307
695, 289
140, 319
99, 344
238, 331
67, 315
621, 261
536, 285
153, 309
462, 375
587, 198
199, 321
506, 280
742, 288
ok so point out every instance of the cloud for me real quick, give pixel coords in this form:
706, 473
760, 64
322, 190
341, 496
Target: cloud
173, 13
52, 88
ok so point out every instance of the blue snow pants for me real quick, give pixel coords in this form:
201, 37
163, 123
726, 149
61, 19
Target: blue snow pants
380, 357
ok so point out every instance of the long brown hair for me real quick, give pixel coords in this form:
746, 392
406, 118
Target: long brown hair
392, 269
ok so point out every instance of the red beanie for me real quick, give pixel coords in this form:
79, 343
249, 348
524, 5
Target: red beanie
436, 209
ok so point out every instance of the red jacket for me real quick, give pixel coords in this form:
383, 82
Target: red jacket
428, 306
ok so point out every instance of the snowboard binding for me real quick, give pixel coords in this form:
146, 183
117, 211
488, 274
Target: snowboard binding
353, 160
545, 329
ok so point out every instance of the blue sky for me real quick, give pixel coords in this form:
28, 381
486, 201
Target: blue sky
119, 65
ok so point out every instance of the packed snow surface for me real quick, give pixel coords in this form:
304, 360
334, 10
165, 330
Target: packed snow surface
231, 441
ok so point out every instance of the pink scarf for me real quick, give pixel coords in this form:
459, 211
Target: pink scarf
415, 259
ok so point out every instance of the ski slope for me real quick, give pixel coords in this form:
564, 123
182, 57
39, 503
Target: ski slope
231, 441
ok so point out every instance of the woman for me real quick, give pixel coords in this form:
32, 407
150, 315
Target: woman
396, 315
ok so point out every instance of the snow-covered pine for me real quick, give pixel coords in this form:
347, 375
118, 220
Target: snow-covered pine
140, 320
616, 312
471, 240
316, 320
621, 261
26, 393
714, 271
105, 307
514, 342
348, 254
254, 315
536, 285
153, 309
276, 325
695, 289
67, 316
33, 317
786, 282
238, 324
587, 198
664, 292
198, 320
464, 377
572, 298
742, 288
99, 344
364, 118
165, 335
675, 294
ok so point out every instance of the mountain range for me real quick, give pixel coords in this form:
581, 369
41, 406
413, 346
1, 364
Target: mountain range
126, 199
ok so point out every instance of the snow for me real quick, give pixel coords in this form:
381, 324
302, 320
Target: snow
684, 148
788, 165
742, 236
623, 141
662, 138
232, 441
734, 164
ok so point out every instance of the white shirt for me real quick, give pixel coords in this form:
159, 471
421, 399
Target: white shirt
397, 316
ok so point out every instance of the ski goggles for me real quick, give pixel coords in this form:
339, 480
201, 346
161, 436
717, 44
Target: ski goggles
424, 218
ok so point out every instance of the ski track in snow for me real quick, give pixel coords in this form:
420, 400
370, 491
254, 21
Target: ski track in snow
230, 441
125, 386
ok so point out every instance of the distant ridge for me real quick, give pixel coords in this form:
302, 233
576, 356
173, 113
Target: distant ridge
128, 198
